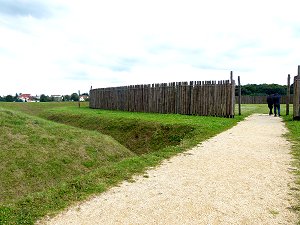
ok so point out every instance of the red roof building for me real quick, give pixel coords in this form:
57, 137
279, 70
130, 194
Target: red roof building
25, 97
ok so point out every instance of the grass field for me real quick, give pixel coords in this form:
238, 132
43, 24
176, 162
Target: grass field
294, 137
53, 154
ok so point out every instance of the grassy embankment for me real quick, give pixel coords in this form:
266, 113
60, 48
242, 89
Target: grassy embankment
45, 165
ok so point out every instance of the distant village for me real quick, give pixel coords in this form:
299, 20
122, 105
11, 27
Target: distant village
44, 98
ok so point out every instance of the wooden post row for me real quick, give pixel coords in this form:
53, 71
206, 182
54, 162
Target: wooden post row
194, 98
240, 95
296, 114
288, 95
78, 98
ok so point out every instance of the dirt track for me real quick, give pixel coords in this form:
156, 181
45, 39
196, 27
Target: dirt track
241, 176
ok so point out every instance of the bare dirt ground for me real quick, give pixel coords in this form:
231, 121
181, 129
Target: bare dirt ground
241, 176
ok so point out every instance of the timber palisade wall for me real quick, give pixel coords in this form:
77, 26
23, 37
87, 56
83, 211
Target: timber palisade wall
204, 98
296, 101
261, 99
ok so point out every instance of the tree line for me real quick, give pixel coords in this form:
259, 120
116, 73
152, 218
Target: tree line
10, 98
263, 89
41, 98
248, 89
72, 97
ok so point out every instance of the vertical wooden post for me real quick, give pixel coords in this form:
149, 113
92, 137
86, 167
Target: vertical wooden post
295, 99
90, 98
232, 102
288, 95
191, 86
296, 115
78, 98
240, 95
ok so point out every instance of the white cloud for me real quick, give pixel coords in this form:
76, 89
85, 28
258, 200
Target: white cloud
69, 45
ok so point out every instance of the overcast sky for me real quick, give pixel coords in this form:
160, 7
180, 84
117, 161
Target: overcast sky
62, 46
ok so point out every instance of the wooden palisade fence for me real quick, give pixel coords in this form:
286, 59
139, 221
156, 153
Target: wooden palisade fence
288, 95
262, 99
205, 98
296, 109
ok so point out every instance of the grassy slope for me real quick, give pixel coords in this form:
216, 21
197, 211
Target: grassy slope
39, 157
35, 149
142, 132
139, 135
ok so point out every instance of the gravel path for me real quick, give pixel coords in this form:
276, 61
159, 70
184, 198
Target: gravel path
240, 176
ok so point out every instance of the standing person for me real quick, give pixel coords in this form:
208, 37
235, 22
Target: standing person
276, 100
270, 103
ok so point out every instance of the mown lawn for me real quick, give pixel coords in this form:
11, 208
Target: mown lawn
53, 154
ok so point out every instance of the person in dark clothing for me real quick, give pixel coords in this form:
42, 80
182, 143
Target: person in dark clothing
276, 101
270, 103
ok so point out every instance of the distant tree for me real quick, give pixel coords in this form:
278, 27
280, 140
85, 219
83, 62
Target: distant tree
9, 98
262, 89
74, 97
16, 98
2, 99
292, 89
66, 98
35, 98
44, 98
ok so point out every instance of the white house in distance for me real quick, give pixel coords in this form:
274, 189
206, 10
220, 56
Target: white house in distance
57, 98
25, 97
83, 98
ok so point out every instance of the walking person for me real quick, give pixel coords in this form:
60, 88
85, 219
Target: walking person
270, 103
276, 101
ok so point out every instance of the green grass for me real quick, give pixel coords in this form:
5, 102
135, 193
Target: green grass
38, 156
35, 108
53, 154
294, 137
140, 135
